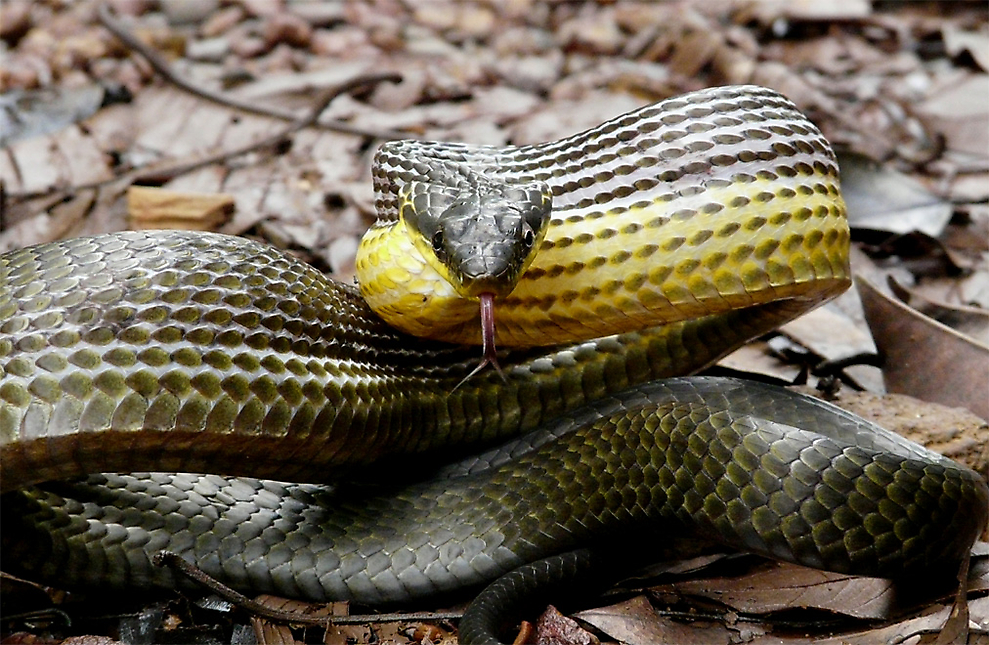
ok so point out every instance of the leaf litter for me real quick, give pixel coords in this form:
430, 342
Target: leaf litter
898, 87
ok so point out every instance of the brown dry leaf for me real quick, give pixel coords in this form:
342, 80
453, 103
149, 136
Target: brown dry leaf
696, 49
771, 589
416, 633
39, 165
880, 198
271, 633
174, 129
113, 129
553, 628
757, 357
970, 321
566, 117
90, 640
904, 631
349, 634
959, 111
268, 633
924, 358
295, 90
833, 335
778, 586
975, 288
152, 208
636, 622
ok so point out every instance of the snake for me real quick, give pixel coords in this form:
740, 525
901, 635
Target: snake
285, 432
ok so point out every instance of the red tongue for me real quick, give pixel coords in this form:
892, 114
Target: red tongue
490, 356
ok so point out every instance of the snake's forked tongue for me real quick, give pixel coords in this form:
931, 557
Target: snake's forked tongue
490, 356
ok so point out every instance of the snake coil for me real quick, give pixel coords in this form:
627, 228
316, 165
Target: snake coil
201, 353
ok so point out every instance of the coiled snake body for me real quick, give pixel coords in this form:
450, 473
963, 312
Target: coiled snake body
172, 351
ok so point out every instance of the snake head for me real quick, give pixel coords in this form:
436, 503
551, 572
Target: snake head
480, 235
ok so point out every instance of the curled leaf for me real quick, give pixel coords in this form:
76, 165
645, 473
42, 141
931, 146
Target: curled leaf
924, 358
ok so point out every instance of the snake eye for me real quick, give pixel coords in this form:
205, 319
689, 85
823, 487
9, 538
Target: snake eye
528, 237
437, 242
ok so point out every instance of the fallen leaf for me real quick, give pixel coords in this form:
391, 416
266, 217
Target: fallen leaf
880, 198
155, 208
903, 631
756, 357
88, 640
922, 357
32, 113
969, 321
777, 586
768, 11
960, 111
636, 622
553, 628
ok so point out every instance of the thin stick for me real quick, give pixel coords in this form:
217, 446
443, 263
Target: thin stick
164, 69
194, 573
161, 175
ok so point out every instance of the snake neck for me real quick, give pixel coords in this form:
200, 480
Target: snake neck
404, 288
723, 199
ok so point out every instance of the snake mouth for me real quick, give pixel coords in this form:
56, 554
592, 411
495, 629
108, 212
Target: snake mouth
494, 281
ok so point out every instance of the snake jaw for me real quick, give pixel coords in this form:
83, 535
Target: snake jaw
490, 353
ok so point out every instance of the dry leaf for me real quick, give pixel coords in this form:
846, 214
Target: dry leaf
922, 357
970, 321
553, 628
758, 358
778, 586
880, 198
903, 631
960, 112
89, 640
45, 111
151, 208
769, 11
637, 623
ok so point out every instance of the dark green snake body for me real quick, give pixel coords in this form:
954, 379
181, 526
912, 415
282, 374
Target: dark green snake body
187, 352
720, 457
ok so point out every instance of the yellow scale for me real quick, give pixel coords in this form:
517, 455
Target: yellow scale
601, 272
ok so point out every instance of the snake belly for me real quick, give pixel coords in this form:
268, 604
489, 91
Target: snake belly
201, 353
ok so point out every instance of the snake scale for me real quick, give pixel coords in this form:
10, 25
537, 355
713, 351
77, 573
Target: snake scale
719, 218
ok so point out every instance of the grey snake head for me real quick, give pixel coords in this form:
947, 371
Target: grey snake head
482, 234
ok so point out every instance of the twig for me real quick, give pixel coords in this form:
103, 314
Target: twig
164, 69
49, 614
161, 175
173, 561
